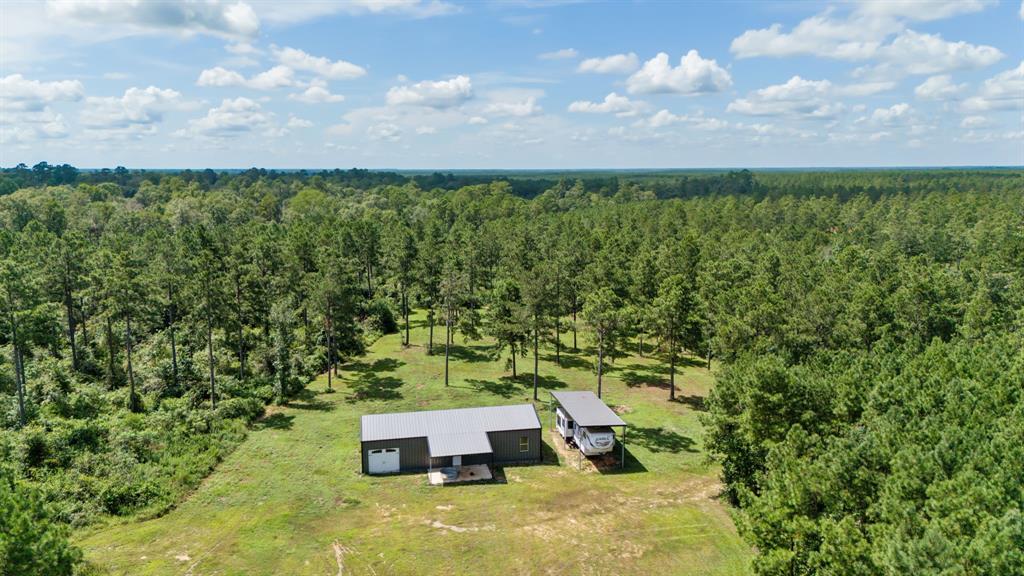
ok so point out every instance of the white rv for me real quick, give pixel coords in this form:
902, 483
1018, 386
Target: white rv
591, 441
582, 419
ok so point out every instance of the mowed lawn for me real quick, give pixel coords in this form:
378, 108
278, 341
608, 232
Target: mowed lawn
291, 499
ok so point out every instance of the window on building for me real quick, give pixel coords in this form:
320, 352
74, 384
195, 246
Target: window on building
524, 443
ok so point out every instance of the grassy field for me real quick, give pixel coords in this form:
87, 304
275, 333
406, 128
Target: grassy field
291, 500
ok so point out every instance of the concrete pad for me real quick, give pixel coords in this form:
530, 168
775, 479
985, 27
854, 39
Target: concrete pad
470, 473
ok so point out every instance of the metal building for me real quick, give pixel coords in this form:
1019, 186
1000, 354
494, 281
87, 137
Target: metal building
417, 441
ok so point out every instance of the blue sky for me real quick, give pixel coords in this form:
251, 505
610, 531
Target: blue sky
516, 84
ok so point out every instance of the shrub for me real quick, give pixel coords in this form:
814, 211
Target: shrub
247, 409
31, 542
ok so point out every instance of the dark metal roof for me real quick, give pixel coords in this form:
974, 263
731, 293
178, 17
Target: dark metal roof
442, 445
433, 423
586, 409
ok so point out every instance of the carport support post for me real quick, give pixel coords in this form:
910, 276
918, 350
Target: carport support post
623, 464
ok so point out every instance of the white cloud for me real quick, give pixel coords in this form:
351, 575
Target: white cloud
296, 122
615, 64
613, 104
225, 19
975, 122
324, 67
524, 107
477, 120
276, 77
916, 53
20, 93
432, 94
664, 118
694, 75
294, 12
563, 54
135, 113
316, 94
1022, 10
939, 87
862, 33
796, 98
233, 118
855, 38
924, 10
424, 130
897, 114
1004, 91
384, 131
218, 76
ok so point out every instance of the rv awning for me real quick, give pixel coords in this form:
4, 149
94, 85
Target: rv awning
586, 409
442, 445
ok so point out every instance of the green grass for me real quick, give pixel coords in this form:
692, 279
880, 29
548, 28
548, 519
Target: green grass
291, 500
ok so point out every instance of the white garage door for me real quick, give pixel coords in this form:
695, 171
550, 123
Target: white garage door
384, 461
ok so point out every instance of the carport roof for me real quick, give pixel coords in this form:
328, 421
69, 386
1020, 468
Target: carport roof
433, 423
442, 445
586, 409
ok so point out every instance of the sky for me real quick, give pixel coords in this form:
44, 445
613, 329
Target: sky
520, 84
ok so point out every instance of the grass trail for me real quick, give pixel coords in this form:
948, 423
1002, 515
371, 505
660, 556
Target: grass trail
291, 500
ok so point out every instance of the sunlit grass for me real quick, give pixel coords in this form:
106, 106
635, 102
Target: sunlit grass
291, 499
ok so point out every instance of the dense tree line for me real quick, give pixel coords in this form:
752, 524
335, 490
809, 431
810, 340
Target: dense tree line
868, 325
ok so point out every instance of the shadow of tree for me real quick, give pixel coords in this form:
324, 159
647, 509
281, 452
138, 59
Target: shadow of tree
307, 399
379, 365
505, 386
693, 401
469, 353
634, 379
370, 386
660, 440
570, 360
276, 421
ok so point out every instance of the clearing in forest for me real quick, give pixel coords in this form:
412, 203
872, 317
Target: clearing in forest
291, 500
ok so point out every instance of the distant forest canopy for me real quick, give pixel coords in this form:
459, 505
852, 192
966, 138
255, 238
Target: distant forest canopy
529, 184
867, 328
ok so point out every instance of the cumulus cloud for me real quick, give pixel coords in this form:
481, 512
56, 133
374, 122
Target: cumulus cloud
476, 120
20, 93
613, 103
663, 118
798, 97
939, 87
384, 131
323, 67
293, 12
316, 94
432, 94
233, 118
1004, 91
296, 122
522, 107
276, 77
225, 19
975, 122
923, 10
894, 115
875, 31
25, 112
133, 114
614, 64
855, 38
563, 54
916, 53
694, 75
